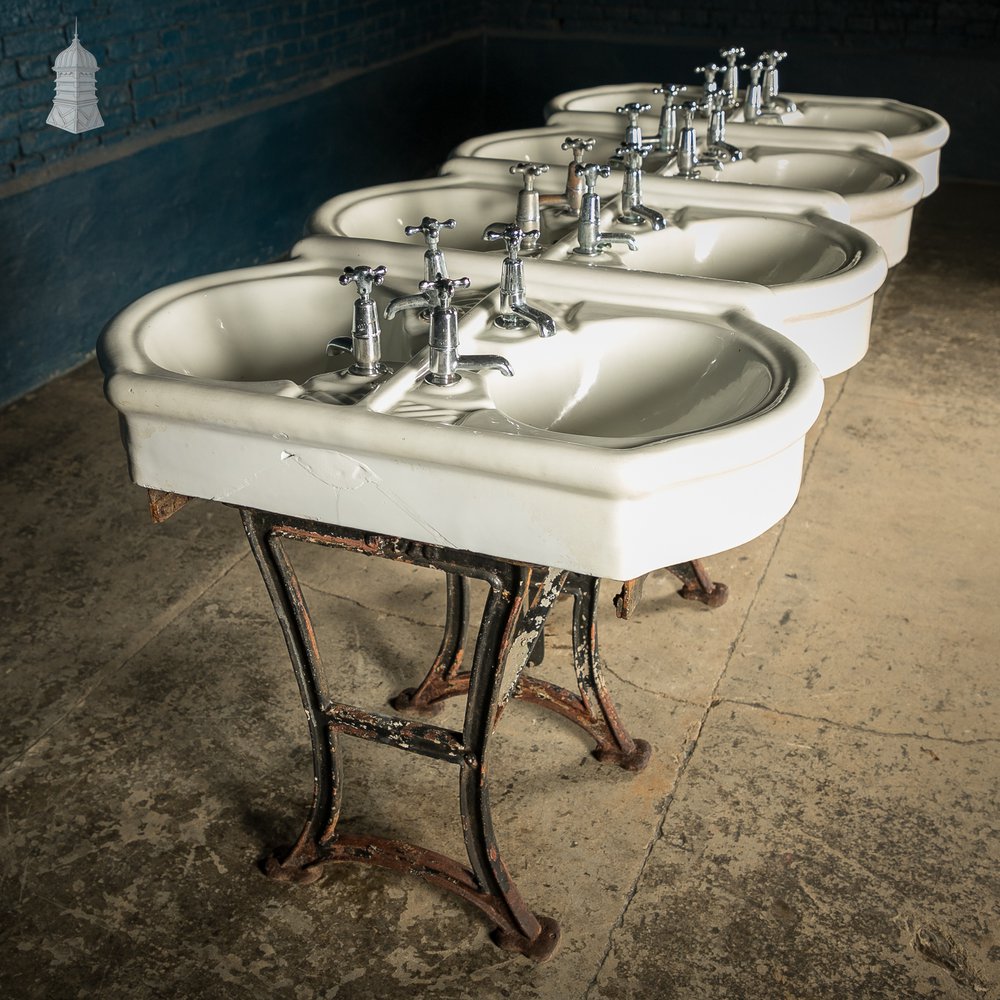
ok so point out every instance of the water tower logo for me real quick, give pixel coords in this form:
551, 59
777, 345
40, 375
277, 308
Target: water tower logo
75, 106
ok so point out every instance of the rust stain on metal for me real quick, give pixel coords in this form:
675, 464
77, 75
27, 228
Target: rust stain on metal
163, 505
628, 598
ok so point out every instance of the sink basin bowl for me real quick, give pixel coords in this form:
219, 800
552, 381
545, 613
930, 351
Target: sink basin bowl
382, 212
618, 446
915, 135
820, 275
880, 192
903, 131
868, 190
489, 156
784, 250
688, 378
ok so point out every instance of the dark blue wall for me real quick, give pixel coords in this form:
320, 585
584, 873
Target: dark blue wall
76, 250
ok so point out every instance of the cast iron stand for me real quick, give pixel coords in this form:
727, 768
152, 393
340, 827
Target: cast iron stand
519, 601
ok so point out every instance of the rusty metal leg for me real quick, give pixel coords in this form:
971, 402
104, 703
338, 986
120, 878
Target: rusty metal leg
519, 602
698, 585
289, 605
592, 709
509, 628
440, 682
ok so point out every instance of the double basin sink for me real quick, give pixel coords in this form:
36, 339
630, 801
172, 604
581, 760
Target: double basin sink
663, 421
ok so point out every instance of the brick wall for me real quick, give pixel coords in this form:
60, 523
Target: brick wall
162, 63
887, 24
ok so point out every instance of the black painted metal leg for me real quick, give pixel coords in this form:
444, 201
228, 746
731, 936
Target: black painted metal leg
440, 681
519, 602
290, 607
590, 708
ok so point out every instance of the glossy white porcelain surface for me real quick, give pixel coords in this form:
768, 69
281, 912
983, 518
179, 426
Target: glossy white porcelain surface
880, 192
821, 275
489, 157
810, 277
382, 212
615, 448
903, 131
915, 134
763, 250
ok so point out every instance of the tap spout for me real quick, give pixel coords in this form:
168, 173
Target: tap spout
545, 324
403, 302
654, 218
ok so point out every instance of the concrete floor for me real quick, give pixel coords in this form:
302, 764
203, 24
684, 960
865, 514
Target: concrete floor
820, 817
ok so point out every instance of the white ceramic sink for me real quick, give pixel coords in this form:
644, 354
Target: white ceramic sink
903, 131
870, 191
880, 192
821, 274
810, 277
382, 212
915, 135
628, 441
490, 156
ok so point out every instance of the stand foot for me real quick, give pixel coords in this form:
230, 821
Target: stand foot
298, 874
539, 949
698, 585
635, 760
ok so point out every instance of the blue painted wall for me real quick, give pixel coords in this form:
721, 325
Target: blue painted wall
88, 223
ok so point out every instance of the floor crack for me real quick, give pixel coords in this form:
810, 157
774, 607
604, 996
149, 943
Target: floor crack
867, 730
684, 758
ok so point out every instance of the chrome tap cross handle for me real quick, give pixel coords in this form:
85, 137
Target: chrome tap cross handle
590, 172
578, 146
709, 69
633, 110
365, 277
364, 343
732, 54
445, 289
512, 236
754, 69
670, 92
530, 171
773, 57
633, 132
430, 229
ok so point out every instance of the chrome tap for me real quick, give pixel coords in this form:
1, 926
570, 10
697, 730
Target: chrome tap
709, 70
772, 100
589, 236
731, 78
753, 100
443, 358
529, 211
717, 145
434, 266
629, 157
569, 201
365, 340
667, 137
688, 159
515, 313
